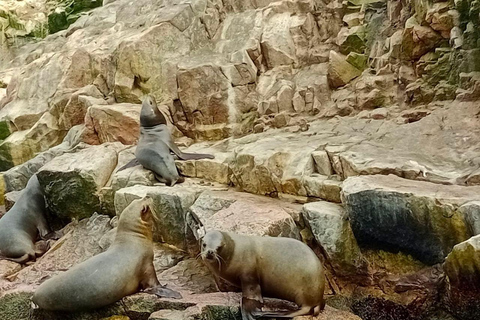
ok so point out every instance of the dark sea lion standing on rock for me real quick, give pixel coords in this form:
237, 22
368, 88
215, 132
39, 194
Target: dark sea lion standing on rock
122, 270
23, 223
282, 268
155, 144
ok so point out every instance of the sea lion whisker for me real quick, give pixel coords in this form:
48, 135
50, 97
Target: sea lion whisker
220, 257
219, 262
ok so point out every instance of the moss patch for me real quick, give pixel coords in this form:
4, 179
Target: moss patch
15, 306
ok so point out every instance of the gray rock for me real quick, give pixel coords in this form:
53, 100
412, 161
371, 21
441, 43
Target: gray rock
415, 217
332, 231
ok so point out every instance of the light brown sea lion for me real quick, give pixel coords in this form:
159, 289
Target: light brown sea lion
124, 269
23, 223
155, 144
282, 268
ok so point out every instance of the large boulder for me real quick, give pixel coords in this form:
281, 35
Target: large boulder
418, 218
332, 231
246, 214
72, 181
462, 267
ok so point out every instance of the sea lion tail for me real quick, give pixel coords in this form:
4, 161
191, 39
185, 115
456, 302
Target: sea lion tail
132, 163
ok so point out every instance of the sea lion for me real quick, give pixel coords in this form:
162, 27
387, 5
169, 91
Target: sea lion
282, 268
23, 223
155, 144
122, 270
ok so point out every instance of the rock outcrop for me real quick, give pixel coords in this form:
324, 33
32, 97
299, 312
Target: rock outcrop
350, 125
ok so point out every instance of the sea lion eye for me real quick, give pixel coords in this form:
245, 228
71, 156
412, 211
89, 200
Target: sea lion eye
204, 245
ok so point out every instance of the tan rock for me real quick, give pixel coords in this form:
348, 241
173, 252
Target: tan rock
340, 72
111, 123
321, 187
246, 214
322, 163
418, 40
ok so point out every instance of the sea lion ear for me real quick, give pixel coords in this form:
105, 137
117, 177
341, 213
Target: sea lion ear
145, 211
201, 232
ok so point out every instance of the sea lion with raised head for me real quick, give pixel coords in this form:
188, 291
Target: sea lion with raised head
124, 269
21, 226
282, 268
155, 144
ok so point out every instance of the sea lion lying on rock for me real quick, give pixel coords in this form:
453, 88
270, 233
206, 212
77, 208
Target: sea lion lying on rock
122, 270
282, 268
155, 144
23, 223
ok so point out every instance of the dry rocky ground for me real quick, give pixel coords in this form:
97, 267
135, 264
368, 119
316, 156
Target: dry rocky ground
351, 125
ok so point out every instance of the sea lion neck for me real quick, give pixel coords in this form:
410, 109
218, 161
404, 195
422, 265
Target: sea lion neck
150, 116
230, 244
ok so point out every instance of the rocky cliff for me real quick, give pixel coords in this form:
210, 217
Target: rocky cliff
351, 125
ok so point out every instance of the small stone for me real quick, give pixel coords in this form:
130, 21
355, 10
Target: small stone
280, 120
259, 128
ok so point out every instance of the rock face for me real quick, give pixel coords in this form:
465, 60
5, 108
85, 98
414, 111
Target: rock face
415, 217
350, 125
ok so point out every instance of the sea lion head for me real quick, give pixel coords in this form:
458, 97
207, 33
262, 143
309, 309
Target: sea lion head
137, 218
150, 116
212, 245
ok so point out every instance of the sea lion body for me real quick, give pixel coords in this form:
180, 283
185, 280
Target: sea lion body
23, 223
154, 154
156, 143
125, 268
282, 268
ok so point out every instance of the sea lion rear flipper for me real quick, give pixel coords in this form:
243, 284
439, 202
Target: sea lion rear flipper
187, 156
304, 311
164, 292
132, 163
23, 259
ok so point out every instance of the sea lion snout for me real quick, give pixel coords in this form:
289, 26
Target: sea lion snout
210, 255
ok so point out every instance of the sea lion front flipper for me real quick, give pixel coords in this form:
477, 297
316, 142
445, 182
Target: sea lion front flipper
133, 163
185, 155
252, 300
151, 285
164, 292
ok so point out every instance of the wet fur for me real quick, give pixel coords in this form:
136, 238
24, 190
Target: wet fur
288, 269
22, 225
